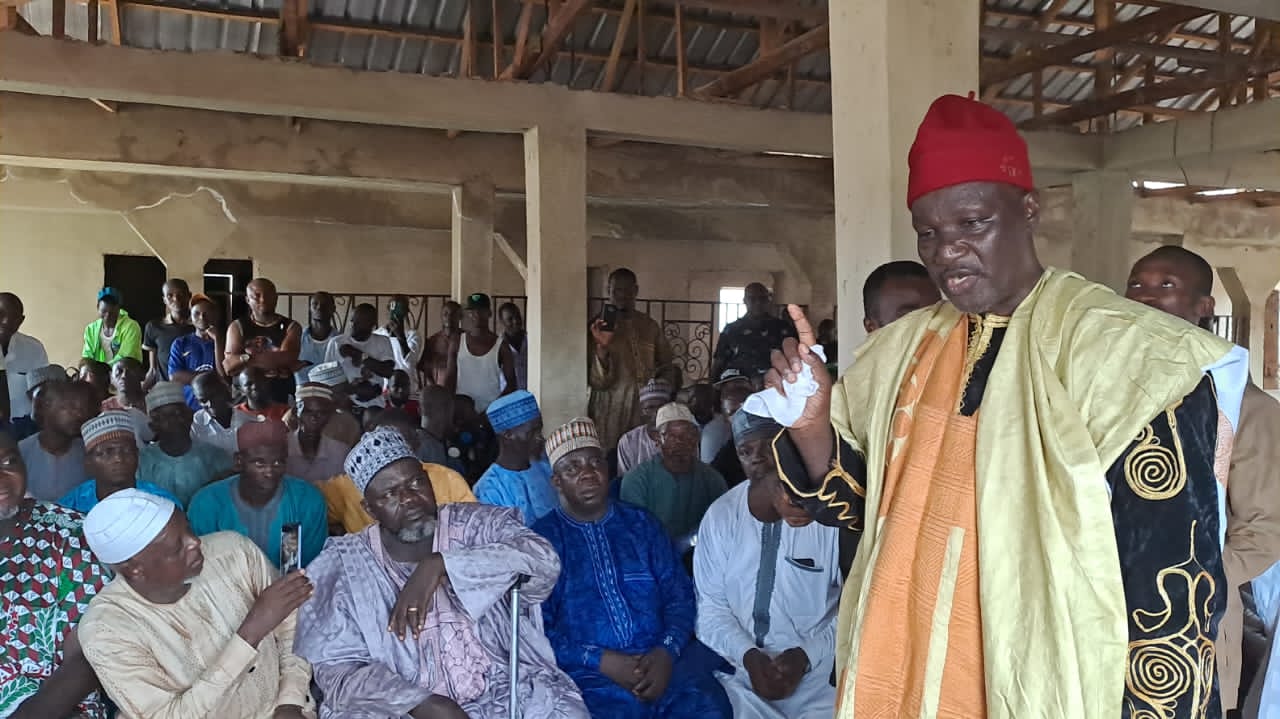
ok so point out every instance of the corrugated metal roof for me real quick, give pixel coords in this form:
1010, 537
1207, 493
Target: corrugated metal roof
432, 45
360, 34
1063, 87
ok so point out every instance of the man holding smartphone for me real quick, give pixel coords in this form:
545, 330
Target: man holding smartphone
628, 350
191, 627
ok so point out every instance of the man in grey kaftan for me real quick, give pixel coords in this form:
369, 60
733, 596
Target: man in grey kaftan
366, 671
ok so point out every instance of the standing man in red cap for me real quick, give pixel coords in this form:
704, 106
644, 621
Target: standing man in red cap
1033, 465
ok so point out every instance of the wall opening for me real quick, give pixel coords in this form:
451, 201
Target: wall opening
732, 306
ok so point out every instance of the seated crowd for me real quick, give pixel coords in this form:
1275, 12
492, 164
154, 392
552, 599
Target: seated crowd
289, 522
282, 521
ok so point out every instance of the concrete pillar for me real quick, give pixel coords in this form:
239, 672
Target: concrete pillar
472, 255
555, 160
1102, 227
889, 59
1249, 289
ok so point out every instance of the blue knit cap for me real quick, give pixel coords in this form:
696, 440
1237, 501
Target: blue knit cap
512, 411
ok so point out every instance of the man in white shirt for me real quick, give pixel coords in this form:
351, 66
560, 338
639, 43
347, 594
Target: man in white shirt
406, 343
216, 421
366, 358
19, 354
316, 336
768, 583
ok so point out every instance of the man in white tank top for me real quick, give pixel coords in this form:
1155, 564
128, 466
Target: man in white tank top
481, 365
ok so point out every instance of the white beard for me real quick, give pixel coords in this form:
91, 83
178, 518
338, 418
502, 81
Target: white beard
422, 531
9, 512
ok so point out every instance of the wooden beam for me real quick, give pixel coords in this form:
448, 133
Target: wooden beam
467, 62
682, 54
1085, 22
1184, 55
59, 30
766, 64
781, 9
1040, 23
1149, 79
642, 43
1138, 96
615, 51
233, 82
294, 31
1264, 9
558, 26
1152, 23
115, 17
1225, 36
92, 18
1104, 12
495, 29
523, 26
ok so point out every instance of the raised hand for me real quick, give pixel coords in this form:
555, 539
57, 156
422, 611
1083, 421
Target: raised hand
274, 605
602, 336
787, 365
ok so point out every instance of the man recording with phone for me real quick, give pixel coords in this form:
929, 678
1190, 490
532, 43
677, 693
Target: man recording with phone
628, 349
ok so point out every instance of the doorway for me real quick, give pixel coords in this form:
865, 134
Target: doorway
140, 278
224, 283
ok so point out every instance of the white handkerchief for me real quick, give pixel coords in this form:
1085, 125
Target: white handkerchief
769, 402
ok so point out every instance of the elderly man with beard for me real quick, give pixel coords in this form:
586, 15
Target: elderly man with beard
412, 615
191, 627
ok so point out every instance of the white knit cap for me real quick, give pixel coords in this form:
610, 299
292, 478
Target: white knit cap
327, 373
675, 412
123, 524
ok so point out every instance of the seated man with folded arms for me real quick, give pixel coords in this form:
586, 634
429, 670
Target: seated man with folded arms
111, 462
262, 499
191, 627
47, 577
768, 590
413, 614
621, 616
174, 461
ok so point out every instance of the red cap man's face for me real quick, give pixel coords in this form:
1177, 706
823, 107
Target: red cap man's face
976, 240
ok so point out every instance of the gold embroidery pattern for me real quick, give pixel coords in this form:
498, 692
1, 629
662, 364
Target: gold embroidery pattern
1153, 471
979, 342
1174, 671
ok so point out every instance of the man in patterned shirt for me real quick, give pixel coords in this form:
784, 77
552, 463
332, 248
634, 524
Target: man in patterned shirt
47, 577
746, 344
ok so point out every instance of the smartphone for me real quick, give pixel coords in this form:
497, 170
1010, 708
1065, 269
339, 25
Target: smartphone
610, 316
290, 548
